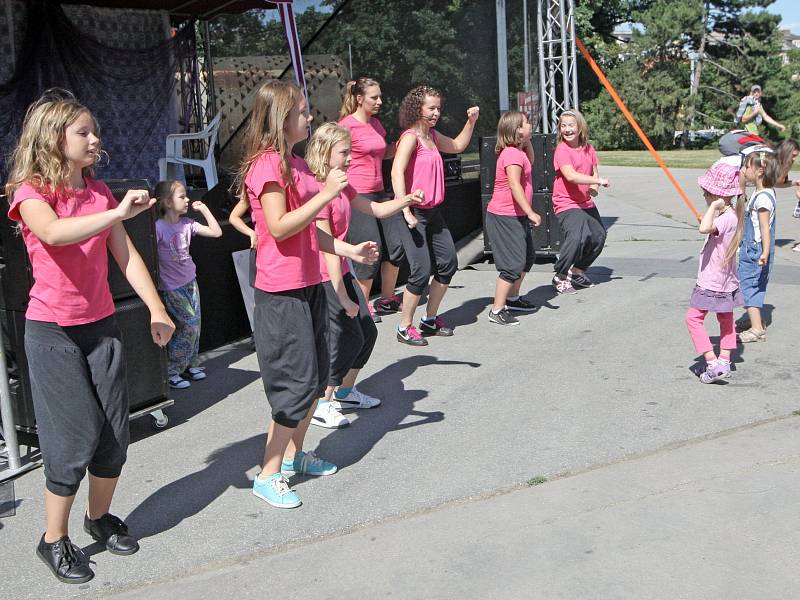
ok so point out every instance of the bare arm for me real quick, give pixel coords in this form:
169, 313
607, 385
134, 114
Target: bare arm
707, 222
45, 224
135, 271
283, 224
514, 174
364, 253
771, 121
334, 265
458, 144
235, 219
405, 148
570, 174
766, 241
213, 229
381, 210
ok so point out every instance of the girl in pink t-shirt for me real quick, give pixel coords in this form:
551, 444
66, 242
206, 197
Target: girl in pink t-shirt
717, 288
429, 246
510, 216
69, 222
362, 103
291, 318
576, 183
351, 330
177, 277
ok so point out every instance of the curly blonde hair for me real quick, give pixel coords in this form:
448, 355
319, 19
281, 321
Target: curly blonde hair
318, 151
38, 157
273, 103
411, 107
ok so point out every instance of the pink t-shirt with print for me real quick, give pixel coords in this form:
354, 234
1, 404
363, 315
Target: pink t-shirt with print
70, 282
502, 202
338, 213
368, 147
713, 273
294, 262
568, 195
425, 171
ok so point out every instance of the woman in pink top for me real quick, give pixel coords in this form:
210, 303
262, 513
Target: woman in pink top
510, 216
429, 246
291, 318
362, 102
582, 233
351, 330
69, 223
717, 288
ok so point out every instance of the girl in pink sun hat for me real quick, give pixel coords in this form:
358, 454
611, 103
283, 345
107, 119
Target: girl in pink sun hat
717, 287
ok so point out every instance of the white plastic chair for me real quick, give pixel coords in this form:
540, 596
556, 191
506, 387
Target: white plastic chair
171, 167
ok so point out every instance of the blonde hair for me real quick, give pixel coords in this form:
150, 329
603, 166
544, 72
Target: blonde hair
318, 151
508, 130
730, 251
163, 194
583, 127
265, 130
38, 157
353, 90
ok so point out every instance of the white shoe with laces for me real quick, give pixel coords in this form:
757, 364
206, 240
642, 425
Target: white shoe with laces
355, 399
326, 415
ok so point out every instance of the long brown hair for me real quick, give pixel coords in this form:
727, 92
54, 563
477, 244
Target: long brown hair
38, 157
265, 130
508, 130
783, 153
353, 90
411, 106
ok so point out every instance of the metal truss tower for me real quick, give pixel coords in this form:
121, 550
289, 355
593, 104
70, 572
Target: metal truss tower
558, 76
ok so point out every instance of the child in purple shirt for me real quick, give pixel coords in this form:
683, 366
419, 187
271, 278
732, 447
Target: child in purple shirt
717, 287
176, 277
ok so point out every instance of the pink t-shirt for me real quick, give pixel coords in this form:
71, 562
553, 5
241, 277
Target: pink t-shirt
294, 262
337, 212
175, 265
70, 282
713, 273
568, 195
425, 171
502, 202
368, 149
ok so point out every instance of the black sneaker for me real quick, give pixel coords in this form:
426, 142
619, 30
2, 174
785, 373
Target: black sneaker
503, 317
112, 532
521, 305
388, 305
580, 280
411, 336
67, 562
435, 327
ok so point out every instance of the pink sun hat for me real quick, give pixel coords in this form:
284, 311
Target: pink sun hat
721, 179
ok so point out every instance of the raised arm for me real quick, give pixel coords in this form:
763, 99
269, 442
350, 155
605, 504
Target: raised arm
212, 229
458, 144
707, 222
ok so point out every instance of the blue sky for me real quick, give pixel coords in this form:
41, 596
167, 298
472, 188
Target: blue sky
790, 13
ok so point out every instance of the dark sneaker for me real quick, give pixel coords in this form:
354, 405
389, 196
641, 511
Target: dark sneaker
435, 327
503, 317
387, 305
580, 280
521, 305
563, 285
411, 337
376, 318
67, 562
112, 532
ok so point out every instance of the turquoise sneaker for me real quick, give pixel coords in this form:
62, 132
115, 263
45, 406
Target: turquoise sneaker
307, 463
275, 490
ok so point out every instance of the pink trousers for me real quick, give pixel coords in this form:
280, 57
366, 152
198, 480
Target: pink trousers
702, 343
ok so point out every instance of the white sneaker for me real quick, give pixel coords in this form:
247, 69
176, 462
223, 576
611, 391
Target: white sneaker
197, 373
326, 415
355, 399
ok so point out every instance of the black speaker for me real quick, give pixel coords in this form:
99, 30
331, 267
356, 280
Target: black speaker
13, 327
142, 231
16, 277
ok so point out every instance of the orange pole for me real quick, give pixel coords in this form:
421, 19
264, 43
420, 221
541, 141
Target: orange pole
610, 88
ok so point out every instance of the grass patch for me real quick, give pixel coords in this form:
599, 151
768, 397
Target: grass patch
538, 480
674, 159
796, 413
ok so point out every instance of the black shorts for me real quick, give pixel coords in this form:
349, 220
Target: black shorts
80, 398
292, 347
512, 245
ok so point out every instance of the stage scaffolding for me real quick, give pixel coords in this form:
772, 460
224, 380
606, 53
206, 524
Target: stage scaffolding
558, 77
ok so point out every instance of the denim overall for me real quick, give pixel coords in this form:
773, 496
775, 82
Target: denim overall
753, 278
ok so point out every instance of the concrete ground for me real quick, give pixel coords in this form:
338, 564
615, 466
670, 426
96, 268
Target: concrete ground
572, 456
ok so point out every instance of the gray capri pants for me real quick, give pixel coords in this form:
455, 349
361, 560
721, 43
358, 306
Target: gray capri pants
387, 232
80, 398
350, 340
582, 239
430, 250
291, 334
512, 245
